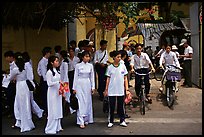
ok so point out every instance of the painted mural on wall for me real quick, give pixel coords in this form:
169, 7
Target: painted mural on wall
128, 33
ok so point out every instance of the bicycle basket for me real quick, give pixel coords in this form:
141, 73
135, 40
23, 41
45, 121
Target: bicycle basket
173, 76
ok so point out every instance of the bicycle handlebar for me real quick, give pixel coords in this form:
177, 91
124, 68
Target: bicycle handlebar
143, 73
168, 66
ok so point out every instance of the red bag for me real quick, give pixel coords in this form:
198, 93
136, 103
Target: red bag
128, 98
64, 87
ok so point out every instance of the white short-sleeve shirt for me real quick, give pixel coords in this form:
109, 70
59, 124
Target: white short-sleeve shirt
187, 51
141, 61
116, 74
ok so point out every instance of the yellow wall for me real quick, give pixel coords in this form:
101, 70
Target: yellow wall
80, 29
28, 40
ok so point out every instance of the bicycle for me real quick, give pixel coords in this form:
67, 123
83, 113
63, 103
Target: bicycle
173, 75
142, 94
158, 73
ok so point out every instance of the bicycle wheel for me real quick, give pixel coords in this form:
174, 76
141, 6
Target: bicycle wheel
170, 94
151, 76
142, 102
158, 74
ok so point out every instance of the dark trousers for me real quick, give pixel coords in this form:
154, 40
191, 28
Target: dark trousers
101, 80
10, 95
187, 72
138, 81
44, 88
71, 80
120, 108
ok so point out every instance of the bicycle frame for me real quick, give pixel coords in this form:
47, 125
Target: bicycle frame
142, 94
170, 84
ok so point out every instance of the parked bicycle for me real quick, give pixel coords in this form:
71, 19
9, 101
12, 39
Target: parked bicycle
172, 74
142, 94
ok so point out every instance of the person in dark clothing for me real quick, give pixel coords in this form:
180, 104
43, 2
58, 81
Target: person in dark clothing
100, 63
187, 63
42, 70
11, 89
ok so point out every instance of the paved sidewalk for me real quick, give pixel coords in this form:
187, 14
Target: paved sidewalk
185, 119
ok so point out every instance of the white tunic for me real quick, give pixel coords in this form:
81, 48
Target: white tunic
83, 83
64, 71
54, 102
169, 59
116, 74
34, 106
22, 104
64, 78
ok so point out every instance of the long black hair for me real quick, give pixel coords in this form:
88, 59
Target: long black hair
64, 55
19, 61
51, 60
26, 56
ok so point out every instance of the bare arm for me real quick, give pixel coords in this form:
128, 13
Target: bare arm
126, 84
107, 84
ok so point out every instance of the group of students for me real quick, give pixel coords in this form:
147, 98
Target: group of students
24, 104
80, 74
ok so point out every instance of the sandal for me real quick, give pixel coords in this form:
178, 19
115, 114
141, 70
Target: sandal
148, 99
82, 126
14, 127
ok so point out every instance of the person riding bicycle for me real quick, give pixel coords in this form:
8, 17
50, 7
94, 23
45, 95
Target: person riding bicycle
168, 58
140, 63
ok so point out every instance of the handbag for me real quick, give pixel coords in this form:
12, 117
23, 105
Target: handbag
30, 85
128, 98
74, 102
105, 105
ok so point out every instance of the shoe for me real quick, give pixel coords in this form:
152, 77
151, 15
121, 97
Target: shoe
149, 100
61, 130
161, 89
14, 127
86, 123
110, 125
123, 124
183, 85
127, 116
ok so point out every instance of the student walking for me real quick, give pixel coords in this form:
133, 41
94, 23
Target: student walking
11, 88
116, 84
29, 69
83, 87
64, 76
22, 104
54, 100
